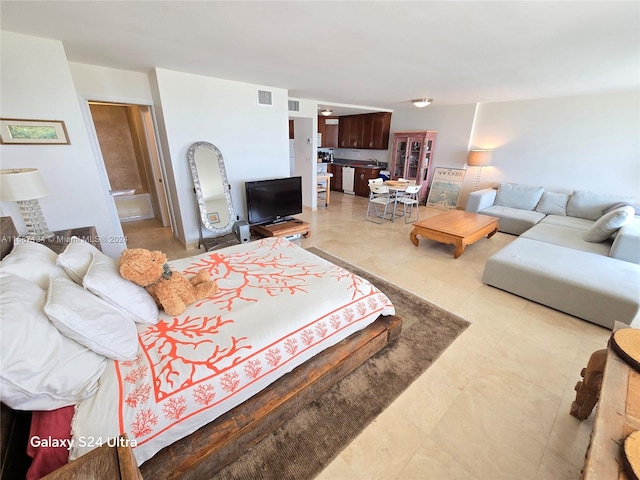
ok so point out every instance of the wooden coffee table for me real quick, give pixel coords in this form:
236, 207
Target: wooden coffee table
456, 227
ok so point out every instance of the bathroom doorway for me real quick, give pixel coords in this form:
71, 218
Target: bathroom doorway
127, 141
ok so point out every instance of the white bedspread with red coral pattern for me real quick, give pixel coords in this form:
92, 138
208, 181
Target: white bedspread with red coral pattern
278, 305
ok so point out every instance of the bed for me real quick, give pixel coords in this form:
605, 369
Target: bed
287, 325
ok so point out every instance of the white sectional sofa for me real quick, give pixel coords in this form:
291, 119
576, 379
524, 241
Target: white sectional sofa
578, 253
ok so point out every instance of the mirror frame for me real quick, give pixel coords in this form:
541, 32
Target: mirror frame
204, 221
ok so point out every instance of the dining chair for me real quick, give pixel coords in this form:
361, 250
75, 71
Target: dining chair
409, 200
379, 196
375, 181
412, 182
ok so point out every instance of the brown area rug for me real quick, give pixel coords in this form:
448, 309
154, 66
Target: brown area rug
303, 446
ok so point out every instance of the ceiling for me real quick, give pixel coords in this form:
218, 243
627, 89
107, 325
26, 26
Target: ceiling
366, 53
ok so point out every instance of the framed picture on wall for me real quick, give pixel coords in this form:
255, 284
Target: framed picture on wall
446, 186
33, 132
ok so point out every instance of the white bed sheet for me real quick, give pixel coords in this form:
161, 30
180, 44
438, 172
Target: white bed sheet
277, 307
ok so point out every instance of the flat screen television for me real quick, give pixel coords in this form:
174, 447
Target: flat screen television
271, 201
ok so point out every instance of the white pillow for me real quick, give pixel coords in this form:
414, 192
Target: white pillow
608, 224
32, 261
552, 203
90, 321
518, 196
103, 278
76, 258
41, 368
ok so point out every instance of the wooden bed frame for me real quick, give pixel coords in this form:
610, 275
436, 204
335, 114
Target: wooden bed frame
220, 442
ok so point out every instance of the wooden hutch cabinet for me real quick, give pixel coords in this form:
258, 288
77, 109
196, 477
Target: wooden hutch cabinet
412, 155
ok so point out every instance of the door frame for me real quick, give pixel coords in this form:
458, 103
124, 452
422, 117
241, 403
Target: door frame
155, 154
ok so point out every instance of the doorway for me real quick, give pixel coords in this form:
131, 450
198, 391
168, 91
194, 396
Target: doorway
127, 141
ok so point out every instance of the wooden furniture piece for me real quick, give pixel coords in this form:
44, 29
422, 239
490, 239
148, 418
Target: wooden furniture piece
61, 238
328, 128
456, 227
218, 443
283, 229
112, 461
412, 156
336, 171
365, 131
362, 175
323, 189
616, 387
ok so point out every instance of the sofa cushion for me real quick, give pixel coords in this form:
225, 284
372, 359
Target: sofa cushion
590, 205
626, 244
566, 236
599, 289
513, 220
552, 203
579, 223
518, 196
608, 224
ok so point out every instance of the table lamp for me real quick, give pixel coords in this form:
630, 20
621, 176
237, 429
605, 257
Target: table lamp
25, 186
479, 158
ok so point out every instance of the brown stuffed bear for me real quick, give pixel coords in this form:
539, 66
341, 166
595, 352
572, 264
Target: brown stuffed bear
170, 289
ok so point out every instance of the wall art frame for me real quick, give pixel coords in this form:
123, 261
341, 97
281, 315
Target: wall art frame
16, 131
446, 186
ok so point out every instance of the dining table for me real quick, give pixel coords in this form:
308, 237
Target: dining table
397, 185
397, 189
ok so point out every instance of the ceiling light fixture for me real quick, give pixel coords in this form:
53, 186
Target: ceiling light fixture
422, 102
326, 112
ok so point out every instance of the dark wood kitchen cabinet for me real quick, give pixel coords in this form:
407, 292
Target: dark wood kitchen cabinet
366, 131
328, 128
336, 181
361, 180
376, 134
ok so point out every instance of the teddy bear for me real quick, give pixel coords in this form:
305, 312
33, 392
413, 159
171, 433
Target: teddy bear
171, 290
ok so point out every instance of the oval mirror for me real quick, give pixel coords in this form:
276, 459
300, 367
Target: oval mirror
211, 188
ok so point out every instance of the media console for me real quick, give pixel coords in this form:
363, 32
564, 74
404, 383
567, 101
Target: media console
288, 228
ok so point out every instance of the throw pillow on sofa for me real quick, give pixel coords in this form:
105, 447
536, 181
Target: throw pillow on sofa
518, 196
552, 203
608, 224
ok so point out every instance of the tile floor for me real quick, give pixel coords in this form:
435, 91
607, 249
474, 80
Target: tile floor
495, 405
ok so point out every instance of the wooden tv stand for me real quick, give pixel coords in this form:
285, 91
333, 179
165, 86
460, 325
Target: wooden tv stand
283, 229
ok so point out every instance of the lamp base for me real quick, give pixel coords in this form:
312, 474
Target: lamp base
33, 218
476, 184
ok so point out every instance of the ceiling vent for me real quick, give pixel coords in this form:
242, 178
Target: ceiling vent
294, 106
265, 98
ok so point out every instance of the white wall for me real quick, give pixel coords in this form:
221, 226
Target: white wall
363, 155
454, 125
586, 142
253, 139
37, 84
94, 82
305, 126
306, 158
565, 144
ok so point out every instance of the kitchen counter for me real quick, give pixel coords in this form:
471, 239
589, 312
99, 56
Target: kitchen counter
354, 180
358, 163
